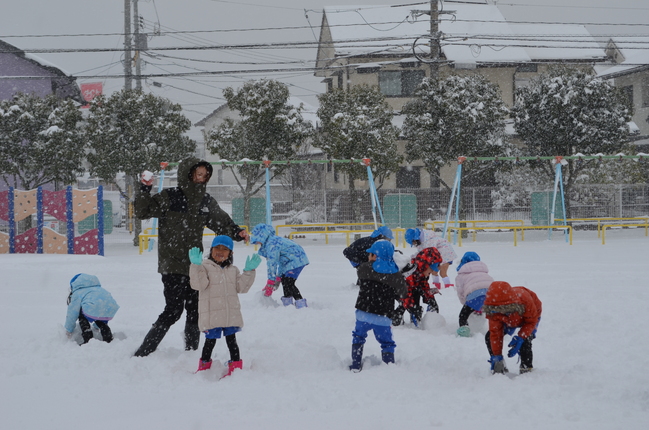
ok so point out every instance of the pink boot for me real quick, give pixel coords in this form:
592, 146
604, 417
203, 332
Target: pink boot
203, 365
232, 366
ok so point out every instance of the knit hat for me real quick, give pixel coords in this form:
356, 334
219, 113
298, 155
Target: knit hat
223, 240
412, 234
384, 252
467, 257
383, 231
475, 300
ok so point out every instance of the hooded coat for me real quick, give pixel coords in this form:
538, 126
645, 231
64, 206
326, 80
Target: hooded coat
509, 307
281, 254
183, 212
417, 280
472, 276
87, 294
377, 290
218, 289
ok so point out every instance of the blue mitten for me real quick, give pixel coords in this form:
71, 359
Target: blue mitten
497, 364
196, 256
252, 262
515, 346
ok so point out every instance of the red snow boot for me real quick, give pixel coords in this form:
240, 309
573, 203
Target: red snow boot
203, 365
232, 366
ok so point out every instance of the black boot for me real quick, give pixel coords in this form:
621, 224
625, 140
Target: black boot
192, 337
106, 333
86, 330
151, 340
357, 357
387, 357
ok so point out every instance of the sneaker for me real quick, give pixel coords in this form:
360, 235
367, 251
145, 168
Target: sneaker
437, 285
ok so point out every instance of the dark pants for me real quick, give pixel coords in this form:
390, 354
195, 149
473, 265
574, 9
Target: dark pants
290, 290
465, 312
233, 347
178, 296
525, 352
86, 330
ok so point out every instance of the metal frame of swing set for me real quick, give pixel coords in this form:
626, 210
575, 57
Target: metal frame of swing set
558, 161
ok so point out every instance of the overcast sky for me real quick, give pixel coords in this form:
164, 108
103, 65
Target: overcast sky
76, 24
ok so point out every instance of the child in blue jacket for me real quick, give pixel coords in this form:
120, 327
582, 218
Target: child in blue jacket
88, 302
285, 260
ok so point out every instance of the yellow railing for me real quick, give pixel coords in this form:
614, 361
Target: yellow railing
347, 234
605, 219
605, 226
146, 235
475, 228
515, 229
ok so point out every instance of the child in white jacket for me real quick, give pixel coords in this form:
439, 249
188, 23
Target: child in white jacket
218, 283
471, 282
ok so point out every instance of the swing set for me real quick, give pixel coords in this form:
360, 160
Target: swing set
558, 162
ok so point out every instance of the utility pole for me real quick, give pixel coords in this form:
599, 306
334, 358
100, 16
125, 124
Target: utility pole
138, 46
434, 39
128, 73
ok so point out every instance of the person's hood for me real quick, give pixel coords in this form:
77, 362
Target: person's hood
501, 298
384, 252
83, 280
383, 231
412, 234
261, 233
185, 170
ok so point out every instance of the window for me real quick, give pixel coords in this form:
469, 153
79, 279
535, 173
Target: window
628, 92
400, 83
645, 91
408, 177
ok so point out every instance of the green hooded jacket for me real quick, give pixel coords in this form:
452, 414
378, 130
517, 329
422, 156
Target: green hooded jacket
182, 214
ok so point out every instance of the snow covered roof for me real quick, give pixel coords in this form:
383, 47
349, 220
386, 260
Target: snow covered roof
635, 57
474, 33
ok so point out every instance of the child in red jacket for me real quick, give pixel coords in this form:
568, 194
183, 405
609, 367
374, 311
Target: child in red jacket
509, 308
426, 262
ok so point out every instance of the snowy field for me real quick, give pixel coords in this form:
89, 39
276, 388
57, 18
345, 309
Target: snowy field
591, 356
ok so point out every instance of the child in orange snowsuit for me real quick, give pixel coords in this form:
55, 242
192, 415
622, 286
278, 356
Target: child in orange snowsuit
426, 262
508, 308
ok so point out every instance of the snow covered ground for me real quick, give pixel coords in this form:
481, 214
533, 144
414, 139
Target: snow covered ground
591, 355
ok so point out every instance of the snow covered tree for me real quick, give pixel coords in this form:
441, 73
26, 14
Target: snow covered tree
40, 141
357, 123
568, 111
456, 116
268, 128
130, 132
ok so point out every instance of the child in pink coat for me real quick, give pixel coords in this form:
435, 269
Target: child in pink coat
471, 282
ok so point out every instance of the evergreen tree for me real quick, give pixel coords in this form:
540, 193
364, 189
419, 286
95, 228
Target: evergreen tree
569, 111
130, 132
357, 123
268, 128
41, 141
457, 116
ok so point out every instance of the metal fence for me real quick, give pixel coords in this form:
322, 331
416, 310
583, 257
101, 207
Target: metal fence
479, 203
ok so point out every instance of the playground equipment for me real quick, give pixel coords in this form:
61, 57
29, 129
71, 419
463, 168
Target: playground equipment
558, 162
67, 206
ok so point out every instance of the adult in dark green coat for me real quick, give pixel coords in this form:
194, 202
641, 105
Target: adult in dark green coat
182, 214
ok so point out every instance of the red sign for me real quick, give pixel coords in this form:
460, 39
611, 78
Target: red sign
91, 90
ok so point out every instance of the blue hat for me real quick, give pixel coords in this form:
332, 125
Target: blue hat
384, 252
412, 234
383, 231
466, 258
475, 300
223, 240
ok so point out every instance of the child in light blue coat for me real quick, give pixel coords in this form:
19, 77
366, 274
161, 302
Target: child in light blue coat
285, 260
88, 302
